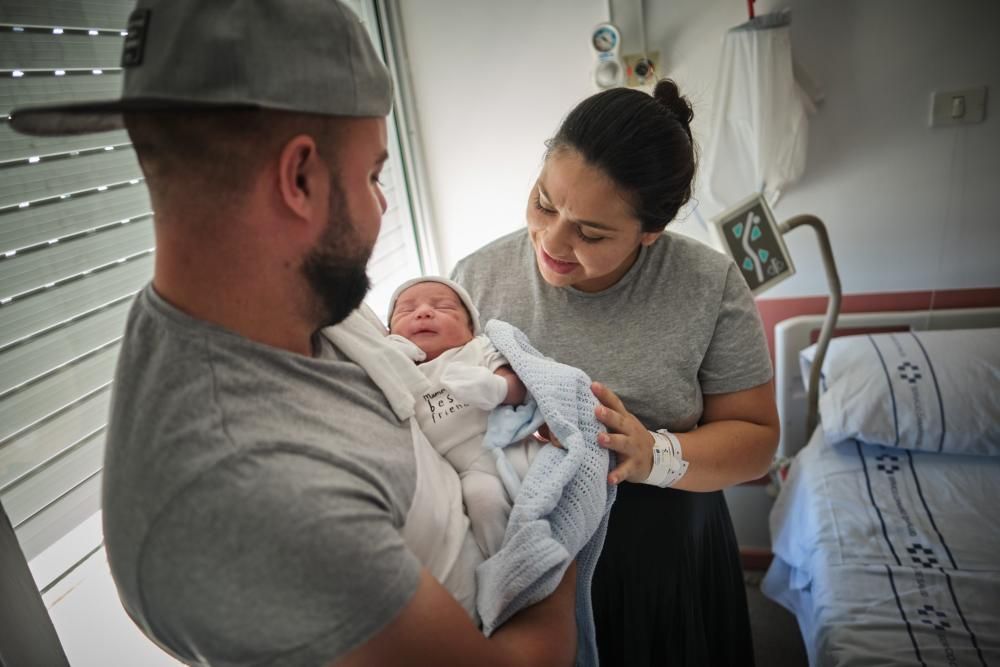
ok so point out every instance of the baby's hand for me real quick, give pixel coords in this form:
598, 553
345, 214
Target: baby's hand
516, 391
475, 385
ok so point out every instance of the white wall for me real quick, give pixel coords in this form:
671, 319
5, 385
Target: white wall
492, 80
909, 207
93, 627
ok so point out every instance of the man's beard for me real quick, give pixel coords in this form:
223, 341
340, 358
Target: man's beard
336, 268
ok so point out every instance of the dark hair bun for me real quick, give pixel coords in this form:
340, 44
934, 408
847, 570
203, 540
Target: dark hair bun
669, 96
642, 142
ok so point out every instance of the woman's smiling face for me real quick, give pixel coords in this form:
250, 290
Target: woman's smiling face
582, 227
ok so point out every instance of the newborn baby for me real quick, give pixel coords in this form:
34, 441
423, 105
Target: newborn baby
436, 324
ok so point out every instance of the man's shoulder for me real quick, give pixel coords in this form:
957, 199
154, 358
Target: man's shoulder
191, 404
225, 459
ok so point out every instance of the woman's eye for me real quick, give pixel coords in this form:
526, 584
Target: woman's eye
588, 239
538, 205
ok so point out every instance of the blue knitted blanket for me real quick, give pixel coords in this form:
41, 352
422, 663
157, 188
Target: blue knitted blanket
561, 509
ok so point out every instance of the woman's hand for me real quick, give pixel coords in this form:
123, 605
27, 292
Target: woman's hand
626, 436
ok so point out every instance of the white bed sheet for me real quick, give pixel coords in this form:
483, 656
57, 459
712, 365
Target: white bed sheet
889, 557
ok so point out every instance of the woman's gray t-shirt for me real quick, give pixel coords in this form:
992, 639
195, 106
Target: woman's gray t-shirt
679, 324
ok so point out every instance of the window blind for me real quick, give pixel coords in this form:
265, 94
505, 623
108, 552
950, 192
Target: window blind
76, 244
396, 257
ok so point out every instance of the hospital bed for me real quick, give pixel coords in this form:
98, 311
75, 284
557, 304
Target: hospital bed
886, 530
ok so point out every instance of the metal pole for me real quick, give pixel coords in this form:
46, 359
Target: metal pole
832, 309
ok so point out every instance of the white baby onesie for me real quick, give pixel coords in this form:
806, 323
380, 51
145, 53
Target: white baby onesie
455, 428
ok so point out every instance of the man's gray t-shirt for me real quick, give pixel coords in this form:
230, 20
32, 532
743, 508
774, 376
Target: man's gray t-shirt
679, 324
253, 498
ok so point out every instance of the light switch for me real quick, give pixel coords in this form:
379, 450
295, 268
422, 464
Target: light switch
958, 107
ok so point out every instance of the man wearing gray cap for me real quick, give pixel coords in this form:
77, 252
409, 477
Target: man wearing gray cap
264, 500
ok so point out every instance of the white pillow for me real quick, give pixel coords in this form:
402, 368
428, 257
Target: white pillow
934, 391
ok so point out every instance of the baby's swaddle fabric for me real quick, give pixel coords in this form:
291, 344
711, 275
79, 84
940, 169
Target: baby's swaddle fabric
562, 506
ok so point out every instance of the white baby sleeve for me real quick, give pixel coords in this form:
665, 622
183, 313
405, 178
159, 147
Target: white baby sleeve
475, 385
492, 359
407, 347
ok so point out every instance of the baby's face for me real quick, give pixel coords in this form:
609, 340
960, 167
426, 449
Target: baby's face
433, 317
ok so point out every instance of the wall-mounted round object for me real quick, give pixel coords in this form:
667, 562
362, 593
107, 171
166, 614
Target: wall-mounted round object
606, 40
644, 70
608, 74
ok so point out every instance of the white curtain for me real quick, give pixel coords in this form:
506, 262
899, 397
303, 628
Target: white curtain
757, 140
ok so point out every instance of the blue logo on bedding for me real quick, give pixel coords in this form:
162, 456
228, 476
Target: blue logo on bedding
890, 467
908, 526
922, 556
933, 617
909, 372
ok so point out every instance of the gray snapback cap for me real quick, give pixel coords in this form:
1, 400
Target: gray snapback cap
309, 56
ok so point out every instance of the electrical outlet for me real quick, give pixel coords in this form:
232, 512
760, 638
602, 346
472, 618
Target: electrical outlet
958, 107
641, 69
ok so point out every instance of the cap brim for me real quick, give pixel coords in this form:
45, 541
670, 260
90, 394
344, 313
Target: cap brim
89, 117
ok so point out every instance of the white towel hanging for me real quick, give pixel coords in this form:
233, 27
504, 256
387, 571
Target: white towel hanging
759, 127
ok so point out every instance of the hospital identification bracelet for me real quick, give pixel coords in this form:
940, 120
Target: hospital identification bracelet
668, 463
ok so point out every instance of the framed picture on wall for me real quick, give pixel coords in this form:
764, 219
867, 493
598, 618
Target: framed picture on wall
752, 238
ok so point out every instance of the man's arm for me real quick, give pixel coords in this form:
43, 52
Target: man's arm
434, 630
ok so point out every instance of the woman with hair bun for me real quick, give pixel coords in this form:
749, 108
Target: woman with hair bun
669, 328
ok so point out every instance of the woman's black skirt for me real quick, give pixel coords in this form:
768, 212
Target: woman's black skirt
668, 588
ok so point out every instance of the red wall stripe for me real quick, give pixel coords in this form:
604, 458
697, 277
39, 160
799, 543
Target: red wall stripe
773, 311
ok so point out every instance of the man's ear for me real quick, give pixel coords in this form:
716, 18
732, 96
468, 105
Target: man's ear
302, 177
